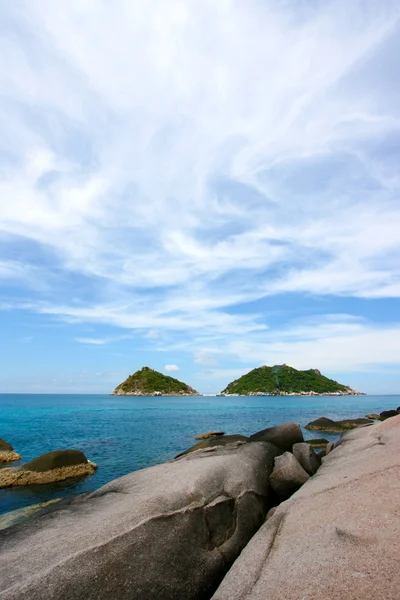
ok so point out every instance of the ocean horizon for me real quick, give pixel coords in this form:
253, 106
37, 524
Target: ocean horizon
124, 433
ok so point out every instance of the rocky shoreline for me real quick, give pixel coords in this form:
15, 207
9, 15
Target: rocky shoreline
174, 531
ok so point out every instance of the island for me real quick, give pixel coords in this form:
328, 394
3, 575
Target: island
282, 380
148, 382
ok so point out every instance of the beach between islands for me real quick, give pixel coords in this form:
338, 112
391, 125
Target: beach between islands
231, 518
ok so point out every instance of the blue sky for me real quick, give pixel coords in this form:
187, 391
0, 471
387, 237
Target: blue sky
201, 187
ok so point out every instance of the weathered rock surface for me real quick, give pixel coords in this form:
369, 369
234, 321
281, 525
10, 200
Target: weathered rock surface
283, 436
209, 434
373, 416
168, 532
338, 537
306, 456
288, 475
324, 424
7, 453
329, 448
221, 440
48, 468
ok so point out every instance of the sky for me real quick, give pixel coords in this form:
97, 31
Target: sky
199, 187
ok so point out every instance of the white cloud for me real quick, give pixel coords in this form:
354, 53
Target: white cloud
94, 341
171, 368
198, 161
334, 343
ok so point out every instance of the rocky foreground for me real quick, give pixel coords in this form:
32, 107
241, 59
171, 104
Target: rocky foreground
195, 528
338, 538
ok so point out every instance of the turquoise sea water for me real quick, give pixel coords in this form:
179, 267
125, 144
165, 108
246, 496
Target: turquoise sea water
123, 434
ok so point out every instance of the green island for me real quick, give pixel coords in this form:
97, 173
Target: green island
282, 380
147, 382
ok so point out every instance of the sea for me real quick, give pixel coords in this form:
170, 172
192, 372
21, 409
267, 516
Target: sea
124, 433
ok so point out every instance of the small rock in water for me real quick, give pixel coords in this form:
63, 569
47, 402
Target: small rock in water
386, 414
373, 416
7, 453
209, 434
324, 424
48, 468
317, 443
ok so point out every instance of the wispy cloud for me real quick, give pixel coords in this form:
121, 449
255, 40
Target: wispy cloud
94, 341
198, 162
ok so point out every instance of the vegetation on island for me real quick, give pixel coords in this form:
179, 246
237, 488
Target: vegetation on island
147, 382
282, 379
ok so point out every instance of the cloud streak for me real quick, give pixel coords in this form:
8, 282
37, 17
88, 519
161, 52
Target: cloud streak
198, 162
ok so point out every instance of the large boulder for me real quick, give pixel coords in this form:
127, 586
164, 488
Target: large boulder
386, 414
288, 475
169, 531
325, 424
338, 537
54, 460
212, 442
48, 468
306, 456
283, 436
7, 453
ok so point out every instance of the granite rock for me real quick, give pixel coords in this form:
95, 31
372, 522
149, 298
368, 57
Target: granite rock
169, 531
283, 436
338, 537
288, 475
306, 456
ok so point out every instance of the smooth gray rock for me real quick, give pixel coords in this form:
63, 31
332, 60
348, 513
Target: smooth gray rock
283, 436
168, 532
288, 475
329, 448
54, 460
306, 456
271, 512
338, 537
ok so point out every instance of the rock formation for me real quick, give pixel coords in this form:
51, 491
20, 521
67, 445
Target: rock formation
306, 457
338, 537
7, 453
48, 468
283, 436
288, 475
324, 424
168, 532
